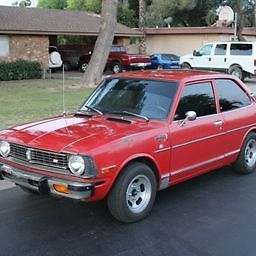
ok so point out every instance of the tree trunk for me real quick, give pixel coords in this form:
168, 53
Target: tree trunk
93, 74
142, 43
240, 23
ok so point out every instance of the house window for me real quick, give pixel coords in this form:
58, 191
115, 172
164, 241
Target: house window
4, 46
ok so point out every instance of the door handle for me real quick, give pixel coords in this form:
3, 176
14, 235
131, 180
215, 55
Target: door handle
225, 59
210, 59
218, 123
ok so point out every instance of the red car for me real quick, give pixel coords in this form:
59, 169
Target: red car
118, 60
137, 133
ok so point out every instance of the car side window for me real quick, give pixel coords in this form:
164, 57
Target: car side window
241, 49
206, 49
197, 97
220, 49
231, 95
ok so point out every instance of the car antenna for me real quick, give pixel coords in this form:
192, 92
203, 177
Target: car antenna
63, 99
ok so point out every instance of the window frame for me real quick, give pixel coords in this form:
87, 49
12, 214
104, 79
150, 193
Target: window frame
218, 98
7, 41
212, 82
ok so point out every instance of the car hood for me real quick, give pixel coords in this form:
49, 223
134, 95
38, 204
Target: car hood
185, 57
72, 133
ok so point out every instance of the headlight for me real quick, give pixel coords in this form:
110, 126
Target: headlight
76, 165
5, 148
81, 165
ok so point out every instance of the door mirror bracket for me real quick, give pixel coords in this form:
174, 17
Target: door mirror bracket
190, 116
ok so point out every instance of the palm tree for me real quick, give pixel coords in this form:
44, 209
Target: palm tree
142, 43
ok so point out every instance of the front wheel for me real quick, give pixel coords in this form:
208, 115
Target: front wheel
133, 194
246, 162
185, 66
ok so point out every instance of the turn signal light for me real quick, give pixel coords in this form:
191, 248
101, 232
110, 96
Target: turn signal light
60, 188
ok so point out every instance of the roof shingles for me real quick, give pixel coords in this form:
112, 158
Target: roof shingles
18, 20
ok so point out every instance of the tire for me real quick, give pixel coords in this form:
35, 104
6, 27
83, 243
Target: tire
133, 195
67, 66
246, 161
237, 71
29, 191
55, 59
116, 68
185, 66
83, 66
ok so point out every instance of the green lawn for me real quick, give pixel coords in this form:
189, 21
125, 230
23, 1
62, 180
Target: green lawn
24, 101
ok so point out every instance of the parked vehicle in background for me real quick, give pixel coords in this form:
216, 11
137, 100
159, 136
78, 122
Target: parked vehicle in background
235, 58
138, 133
118, 60
70, 59
55, 60
164, 61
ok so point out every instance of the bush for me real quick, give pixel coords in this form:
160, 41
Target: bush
20, 70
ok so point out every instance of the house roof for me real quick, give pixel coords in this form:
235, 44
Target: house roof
197, 30
37, 21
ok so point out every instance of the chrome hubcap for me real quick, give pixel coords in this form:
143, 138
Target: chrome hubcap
84, 67
116, 69
138, 194
250, 153
236, 73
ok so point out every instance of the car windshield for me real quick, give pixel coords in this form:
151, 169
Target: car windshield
136, 98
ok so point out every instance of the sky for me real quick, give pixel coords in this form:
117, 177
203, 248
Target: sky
9, 2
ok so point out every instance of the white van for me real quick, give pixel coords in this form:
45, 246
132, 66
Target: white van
236, 58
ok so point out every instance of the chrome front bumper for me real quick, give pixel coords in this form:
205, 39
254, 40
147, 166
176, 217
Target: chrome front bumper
45, 184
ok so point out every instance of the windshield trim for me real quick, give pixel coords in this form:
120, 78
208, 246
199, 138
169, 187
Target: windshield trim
176, 82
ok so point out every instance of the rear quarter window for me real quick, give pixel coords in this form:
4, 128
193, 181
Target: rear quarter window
241, 49
231, 95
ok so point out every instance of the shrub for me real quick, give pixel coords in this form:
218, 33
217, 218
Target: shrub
20, 70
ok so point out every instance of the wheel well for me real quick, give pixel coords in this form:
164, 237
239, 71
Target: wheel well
115, 62
235, 65
185, 63
149, 162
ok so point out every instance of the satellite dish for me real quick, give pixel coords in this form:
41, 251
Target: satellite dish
226, 14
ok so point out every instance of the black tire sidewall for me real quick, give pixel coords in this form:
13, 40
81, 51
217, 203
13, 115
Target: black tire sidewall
240, 165
237, 69
117, 197
116, 64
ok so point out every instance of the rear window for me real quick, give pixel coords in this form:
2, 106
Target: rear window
241, 49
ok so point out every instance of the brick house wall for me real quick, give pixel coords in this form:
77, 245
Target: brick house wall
28, 47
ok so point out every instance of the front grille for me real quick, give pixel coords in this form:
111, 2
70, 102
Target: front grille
38, 156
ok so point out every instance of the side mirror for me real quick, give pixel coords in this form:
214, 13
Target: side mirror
190, 116
196, 53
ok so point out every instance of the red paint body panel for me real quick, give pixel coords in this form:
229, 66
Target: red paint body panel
176, 152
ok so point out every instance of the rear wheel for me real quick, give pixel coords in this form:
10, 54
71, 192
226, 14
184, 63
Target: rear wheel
133, 194
83, 66
246, 162
116, 67
237, 71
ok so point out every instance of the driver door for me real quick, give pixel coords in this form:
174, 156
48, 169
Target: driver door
202, 59
196, 145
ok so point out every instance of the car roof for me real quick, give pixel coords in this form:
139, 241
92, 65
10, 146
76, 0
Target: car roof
235, 42
173, 75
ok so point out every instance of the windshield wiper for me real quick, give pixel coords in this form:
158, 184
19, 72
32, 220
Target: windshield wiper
94, 109
124, 112
83, 114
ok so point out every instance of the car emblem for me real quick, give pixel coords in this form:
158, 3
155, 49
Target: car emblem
55, 161
28, 154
